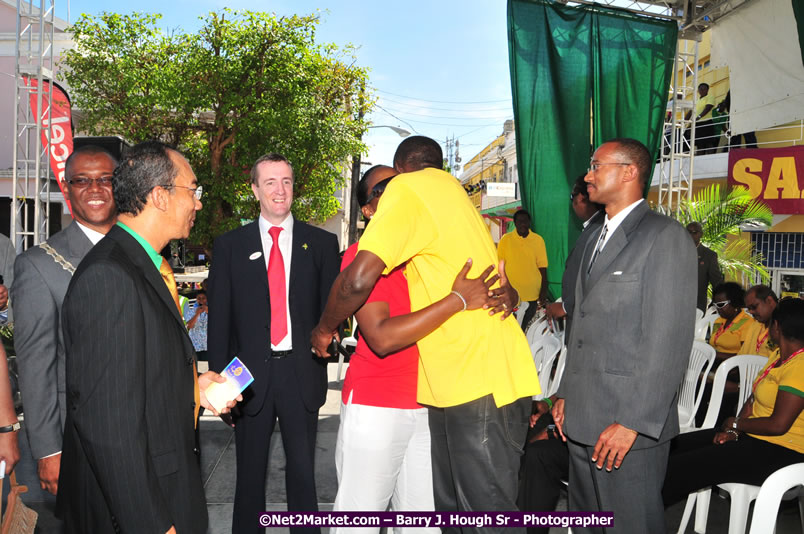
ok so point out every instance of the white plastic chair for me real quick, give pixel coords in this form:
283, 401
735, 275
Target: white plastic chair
691, 390
770, 495
350, 341
544, 351
520, 313
698, 315
704, 325
749, 366
552, 389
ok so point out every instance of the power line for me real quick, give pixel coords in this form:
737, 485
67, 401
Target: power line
505, 115
443, 101
439, 123
386, 99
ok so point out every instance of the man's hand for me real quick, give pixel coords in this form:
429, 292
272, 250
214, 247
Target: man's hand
555, 310
538, 409
204, 381
558, 417
503, 299
320, 340
475, 291
612, 446
3, 297
10, 450
48, 471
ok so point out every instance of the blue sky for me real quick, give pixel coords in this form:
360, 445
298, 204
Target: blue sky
439, 68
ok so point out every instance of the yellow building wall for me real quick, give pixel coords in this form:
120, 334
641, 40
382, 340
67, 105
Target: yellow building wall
492, 169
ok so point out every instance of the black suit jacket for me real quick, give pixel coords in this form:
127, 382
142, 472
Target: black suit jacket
708, 273
240, 307
129, 463
572, 266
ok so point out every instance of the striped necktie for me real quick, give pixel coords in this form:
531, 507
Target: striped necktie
600, 241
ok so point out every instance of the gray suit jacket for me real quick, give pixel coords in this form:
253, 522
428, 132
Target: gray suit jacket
38, 293
632, 331
572, 266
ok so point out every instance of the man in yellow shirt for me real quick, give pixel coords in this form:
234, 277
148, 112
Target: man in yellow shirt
525, 264
760, 301
476, 373
705, 136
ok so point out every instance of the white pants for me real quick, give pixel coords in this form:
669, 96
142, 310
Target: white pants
382, 456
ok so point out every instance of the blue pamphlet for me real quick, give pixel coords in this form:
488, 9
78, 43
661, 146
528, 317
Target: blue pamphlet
238, 378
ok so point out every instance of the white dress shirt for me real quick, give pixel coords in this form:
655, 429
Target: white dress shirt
93, 235
613, 223
286, 248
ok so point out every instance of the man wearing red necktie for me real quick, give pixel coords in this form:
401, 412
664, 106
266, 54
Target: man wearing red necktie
268, 285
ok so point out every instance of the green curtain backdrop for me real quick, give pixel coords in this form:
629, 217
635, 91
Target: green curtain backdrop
580, 76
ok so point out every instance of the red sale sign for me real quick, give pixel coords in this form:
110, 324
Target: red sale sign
773, 175
57, 134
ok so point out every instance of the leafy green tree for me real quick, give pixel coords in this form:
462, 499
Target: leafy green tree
245, 84
722, 213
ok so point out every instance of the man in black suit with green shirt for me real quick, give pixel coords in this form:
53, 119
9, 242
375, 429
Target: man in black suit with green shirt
129, 460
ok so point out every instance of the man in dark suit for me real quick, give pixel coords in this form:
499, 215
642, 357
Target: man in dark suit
129, 460
630, 342
42, 276
708, 267
268, 285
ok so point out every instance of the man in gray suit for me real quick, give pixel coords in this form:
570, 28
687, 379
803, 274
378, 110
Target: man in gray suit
7, 256
630, 342
42, 276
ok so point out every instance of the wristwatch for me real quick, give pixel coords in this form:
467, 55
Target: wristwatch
10, 428
734, 423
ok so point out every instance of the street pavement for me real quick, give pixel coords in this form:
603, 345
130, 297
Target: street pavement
218, 471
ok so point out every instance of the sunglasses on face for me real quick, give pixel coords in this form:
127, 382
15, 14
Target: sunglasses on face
720, 305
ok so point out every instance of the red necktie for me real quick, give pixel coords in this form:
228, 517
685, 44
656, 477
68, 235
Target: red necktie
276, 286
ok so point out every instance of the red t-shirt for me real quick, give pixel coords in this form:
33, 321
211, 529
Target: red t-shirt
388, 382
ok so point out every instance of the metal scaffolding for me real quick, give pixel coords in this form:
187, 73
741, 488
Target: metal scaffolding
677, 156
31, 173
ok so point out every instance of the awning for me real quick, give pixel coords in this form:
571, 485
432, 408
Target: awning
505, 211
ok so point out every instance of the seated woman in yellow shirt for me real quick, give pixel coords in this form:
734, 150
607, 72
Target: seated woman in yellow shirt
767, 435
734, 325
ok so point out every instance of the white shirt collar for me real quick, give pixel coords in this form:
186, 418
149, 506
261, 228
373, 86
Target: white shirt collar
617, 220
286, 225
93, 235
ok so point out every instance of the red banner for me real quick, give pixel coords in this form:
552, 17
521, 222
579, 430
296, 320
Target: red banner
773, 175
57, 136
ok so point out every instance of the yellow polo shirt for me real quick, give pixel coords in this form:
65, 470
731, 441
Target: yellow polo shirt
708, 100
523, 257
758, 341
426, 219
788, 377
730, 340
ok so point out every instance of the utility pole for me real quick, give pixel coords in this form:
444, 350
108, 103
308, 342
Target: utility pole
354, 209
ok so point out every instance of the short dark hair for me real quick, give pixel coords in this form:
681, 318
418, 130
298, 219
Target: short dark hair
88, 150
521, 212
273, 157
762, 292
418, 152
638, 155
200, 292
698, 227
364, 196
145, 166
789, 314
703, 84
734, 293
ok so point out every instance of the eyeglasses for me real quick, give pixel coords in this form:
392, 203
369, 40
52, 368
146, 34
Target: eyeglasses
197, 191
80, 183
593, 167
720, 305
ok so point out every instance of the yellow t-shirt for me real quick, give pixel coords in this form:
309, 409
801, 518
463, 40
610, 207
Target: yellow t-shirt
788, 377
523, 257
731, 339
708, 100
426, 219
758, 341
